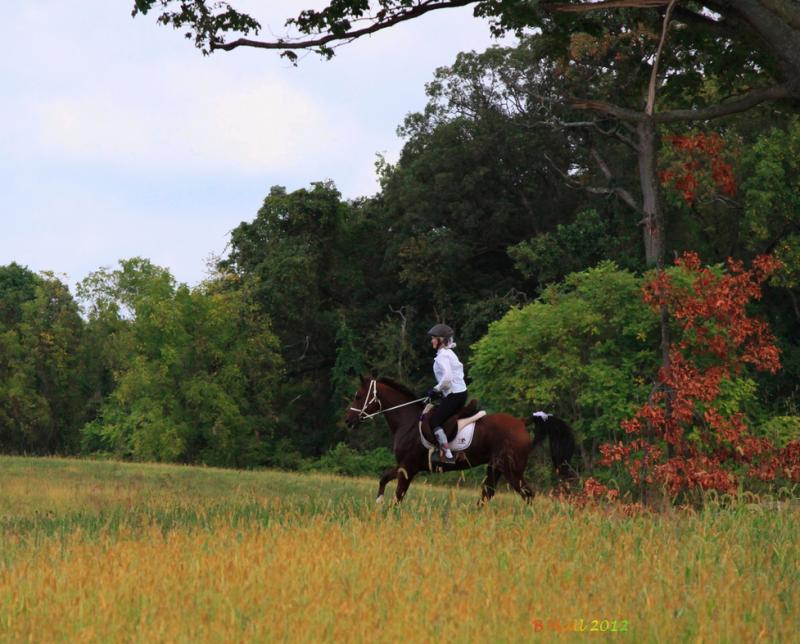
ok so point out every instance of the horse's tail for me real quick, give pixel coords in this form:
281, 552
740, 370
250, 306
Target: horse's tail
562, 440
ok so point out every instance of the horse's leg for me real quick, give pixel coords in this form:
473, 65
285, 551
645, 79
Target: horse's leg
518, 483
404, 479
489, 485
525, 489
516, 479
391, 475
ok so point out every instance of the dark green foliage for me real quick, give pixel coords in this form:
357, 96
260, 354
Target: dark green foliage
43, 359
17, 286
772, 199
314, 264
576, 246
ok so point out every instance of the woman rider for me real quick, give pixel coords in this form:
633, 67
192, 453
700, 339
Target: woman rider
449, 373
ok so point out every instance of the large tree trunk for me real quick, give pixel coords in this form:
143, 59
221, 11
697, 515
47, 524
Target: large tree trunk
653, 219
655, 254
777, 22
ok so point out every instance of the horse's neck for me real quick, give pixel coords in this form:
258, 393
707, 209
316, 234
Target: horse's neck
402, 417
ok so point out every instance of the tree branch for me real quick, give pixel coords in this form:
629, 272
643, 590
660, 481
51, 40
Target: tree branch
554, 121
601, 163
651, 91
622, 113
689, 17
613, 134
347, 36
748, 101
788, 12
608, 4
577, 185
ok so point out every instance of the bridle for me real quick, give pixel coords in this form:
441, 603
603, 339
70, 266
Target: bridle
372, 396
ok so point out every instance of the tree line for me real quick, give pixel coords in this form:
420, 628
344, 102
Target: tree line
509, 215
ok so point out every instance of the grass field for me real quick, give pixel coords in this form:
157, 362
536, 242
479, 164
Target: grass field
108, 552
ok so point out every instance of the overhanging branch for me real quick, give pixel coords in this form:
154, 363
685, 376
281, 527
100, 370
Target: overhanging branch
748, 101
787, 11
725, 29
608, 4
347, 36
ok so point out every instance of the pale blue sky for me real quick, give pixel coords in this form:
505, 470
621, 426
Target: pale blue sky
120, 139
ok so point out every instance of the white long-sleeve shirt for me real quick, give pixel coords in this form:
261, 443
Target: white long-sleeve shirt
449, 372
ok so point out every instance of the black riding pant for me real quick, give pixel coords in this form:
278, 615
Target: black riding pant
449, 406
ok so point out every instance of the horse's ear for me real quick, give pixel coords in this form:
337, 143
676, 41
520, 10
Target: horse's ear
364, 381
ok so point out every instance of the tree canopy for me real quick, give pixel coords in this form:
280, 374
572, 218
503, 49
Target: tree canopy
730, 38
516, 213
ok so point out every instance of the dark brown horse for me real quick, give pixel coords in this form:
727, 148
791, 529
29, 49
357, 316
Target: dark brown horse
500, 441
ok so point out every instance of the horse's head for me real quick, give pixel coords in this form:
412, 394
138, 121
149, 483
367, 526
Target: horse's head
365, 402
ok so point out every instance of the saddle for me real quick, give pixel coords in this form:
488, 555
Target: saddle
451, 425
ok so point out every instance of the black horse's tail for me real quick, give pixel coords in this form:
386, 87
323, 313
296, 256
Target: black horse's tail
562, 440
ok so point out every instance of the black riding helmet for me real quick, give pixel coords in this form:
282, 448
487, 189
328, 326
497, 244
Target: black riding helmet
441, 331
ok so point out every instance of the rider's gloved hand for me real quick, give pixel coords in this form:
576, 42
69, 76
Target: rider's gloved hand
433, 394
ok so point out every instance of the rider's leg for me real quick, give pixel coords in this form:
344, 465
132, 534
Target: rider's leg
439, 433
451, 405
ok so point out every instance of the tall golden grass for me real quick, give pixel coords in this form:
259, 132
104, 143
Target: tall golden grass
246, 557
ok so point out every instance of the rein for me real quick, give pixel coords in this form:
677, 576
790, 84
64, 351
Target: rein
372, 396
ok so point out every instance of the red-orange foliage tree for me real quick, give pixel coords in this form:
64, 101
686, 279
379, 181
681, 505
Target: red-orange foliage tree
698, 155
718, 337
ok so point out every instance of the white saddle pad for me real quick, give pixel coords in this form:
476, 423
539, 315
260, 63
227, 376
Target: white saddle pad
463, 439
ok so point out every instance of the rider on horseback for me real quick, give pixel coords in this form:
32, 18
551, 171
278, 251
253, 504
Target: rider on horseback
449, 373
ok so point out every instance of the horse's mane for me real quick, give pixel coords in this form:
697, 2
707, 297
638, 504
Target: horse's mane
397, 386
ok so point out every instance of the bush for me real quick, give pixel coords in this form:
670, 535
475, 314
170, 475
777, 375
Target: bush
781, 430
349, 462
586, 351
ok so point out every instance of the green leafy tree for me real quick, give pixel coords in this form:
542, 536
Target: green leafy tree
42, 363
572, 247
196, 369
772, 193
771, 224
752, 48
470, 183
315, 265
584, 351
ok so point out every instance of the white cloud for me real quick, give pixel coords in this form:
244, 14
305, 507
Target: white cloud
94, 127
261, 126
189, 119
120, 139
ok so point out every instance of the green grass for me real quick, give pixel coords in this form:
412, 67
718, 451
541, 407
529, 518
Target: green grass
97, 551
51, 496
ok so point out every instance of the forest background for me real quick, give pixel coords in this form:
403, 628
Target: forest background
516, 213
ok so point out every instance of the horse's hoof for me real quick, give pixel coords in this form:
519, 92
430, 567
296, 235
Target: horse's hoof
379, 500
